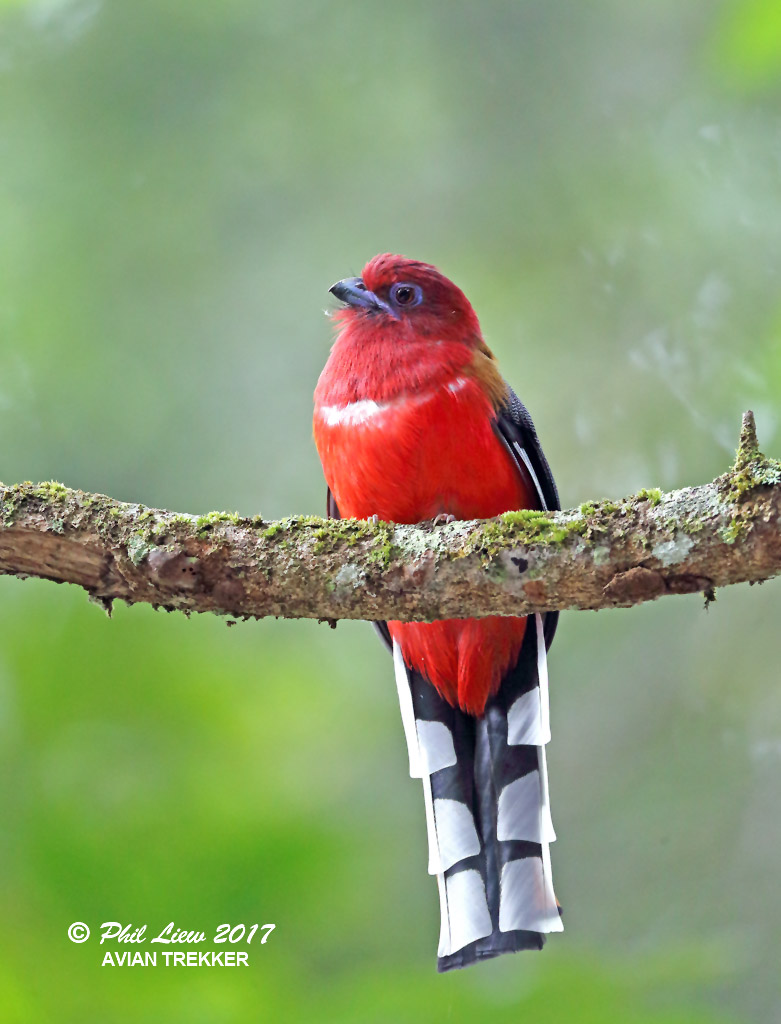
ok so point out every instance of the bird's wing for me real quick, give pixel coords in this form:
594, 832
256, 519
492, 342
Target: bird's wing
516, 430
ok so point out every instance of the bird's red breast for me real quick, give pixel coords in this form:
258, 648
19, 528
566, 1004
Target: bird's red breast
403, 426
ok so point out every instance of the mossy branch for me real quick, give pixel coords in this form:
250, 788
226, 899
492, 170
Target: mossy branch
604, 554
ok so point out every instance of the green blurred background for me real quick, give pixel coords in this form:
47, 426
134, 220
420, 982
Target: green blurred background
180, 182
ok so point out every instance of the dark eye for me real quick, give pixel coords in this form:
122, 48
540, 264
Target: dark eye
406, 295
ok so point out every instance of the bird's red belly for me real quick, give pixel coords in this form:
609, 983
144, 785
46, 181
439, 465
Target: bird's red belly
411, 459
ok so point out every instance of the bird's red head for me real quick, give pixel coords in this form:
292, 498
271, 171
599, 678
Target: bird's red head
404, 327
407, 296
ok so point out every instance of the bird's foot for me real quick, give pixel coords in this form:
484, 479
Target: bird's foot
442, 518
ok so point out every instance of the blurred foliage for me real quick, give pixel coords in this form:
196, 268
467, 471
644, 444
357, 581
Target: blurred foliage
747, 46
180, 182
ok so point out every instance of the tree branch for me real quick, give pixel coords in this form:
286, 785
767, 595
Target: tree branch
601, 555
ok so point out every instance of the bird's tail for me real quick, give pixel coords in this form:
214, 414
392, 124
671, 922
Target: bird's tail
485, 788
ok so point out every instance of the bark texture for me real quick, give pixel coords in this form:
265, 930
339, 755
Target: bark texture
602, 555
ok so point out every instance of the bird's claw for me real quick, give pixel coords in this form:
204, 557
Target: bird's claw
442, 518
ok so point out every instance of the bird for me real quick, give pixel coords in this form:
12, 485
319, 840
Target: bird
413, 421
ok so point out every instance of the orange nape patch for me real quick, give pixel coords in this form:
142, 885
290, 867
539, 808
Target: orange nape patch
484, 370
465, 659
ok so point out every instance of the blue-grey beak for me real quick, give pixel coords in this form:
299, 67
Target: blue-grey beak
353, 292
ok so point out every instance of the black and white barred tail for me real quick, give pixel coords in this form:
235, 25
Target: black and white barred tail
485, 788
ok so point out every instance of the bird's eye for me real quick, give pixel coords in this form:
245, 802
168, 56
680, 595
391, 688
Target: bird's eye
406, 295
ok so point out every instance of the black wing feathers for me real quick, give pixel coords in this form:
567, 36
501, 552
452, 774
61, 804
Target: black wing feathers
515, 428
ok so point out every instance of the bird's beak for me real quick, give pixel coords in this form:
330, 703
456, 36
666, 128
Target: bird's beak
353, 292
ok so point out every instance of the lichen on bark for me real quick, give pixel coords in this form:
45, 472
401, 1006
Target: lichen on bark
602, 554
